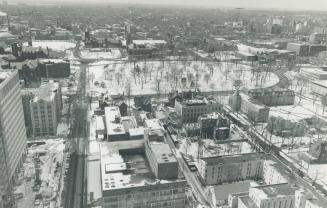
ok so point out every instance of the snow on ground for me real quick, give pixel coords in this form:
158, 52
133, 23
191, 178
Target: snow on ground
296, 112
112, 53
114, 77
54, 45
318, 172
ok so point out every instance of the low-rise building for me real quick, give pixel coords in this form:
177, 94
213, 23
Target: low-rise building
190, 110
128, 181
54, 68
162, 161
255, 110
217, 170
273, 96
277, 195
313, 74
301, 49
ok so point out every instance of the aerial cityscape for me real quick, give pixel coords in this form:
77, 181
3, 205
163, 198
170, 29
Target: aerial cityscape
165, 105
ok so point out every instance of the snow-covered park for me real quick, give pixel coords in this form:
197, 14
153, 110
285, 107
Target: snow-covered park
163, 77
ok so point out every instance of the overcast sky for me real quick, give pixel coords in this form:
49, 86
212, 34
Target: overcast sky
286, 4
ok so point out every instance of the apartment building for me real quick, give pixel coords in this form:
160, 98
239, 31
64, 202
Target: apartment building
275, 196
45, 109
221, 169
12, 131
190, 110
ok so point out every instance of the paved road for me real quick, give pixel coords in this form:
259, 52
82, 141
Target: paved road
190, 176
78, 136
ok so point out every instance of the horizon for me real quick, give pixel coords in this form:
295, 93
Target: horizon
293, 5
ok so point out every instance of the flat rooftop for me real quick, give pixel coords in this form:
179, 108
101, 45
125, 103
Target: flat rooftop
153, 124
162, 152
47, 91
276, 190
237, 158
124, 165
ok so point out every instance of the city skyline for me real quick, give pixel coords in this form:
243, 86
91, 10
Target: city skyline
247, 4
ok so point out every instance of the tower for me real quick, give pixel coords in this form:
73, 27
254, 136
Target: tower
235, 100
13, 140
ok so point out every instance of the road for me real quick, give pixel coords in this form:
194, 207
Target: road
189, 176
78, 136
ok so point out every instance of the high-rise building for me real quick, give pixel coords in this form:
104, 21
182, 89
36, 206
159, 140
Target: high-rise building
12, 130
45, 109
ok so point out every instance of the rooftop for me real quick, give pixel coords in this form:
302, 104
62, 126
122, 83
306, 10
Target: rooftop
153, 124
237, 158
47, 91
162, 152
276, 190
124, 165
247, 202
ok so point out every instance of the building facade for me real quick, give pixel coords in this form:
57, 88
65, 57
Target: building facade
12, 130
190, 110
221, 169
45, 109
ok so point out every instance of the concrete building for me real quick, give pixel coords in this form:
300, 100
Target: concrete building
118, 128
45, 109
239, 167
221, 169
300, 49
128, 181
12, 131
319, 87
273, 96
161, 159
313, 74
190, 110
27, 96
272, 173
255, 110
277, 195
54, 68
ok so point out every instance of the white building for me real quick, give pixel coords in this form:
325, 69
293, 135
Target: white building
12, 129
45, 109
272, 196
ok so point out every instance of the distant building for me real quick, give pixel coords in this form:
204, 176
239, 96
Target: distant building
273, 96
13, 142
300, 49
45, 109
214, 125
255, 110
318, 38
190, 110
246, 56
313, 74
54, 68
